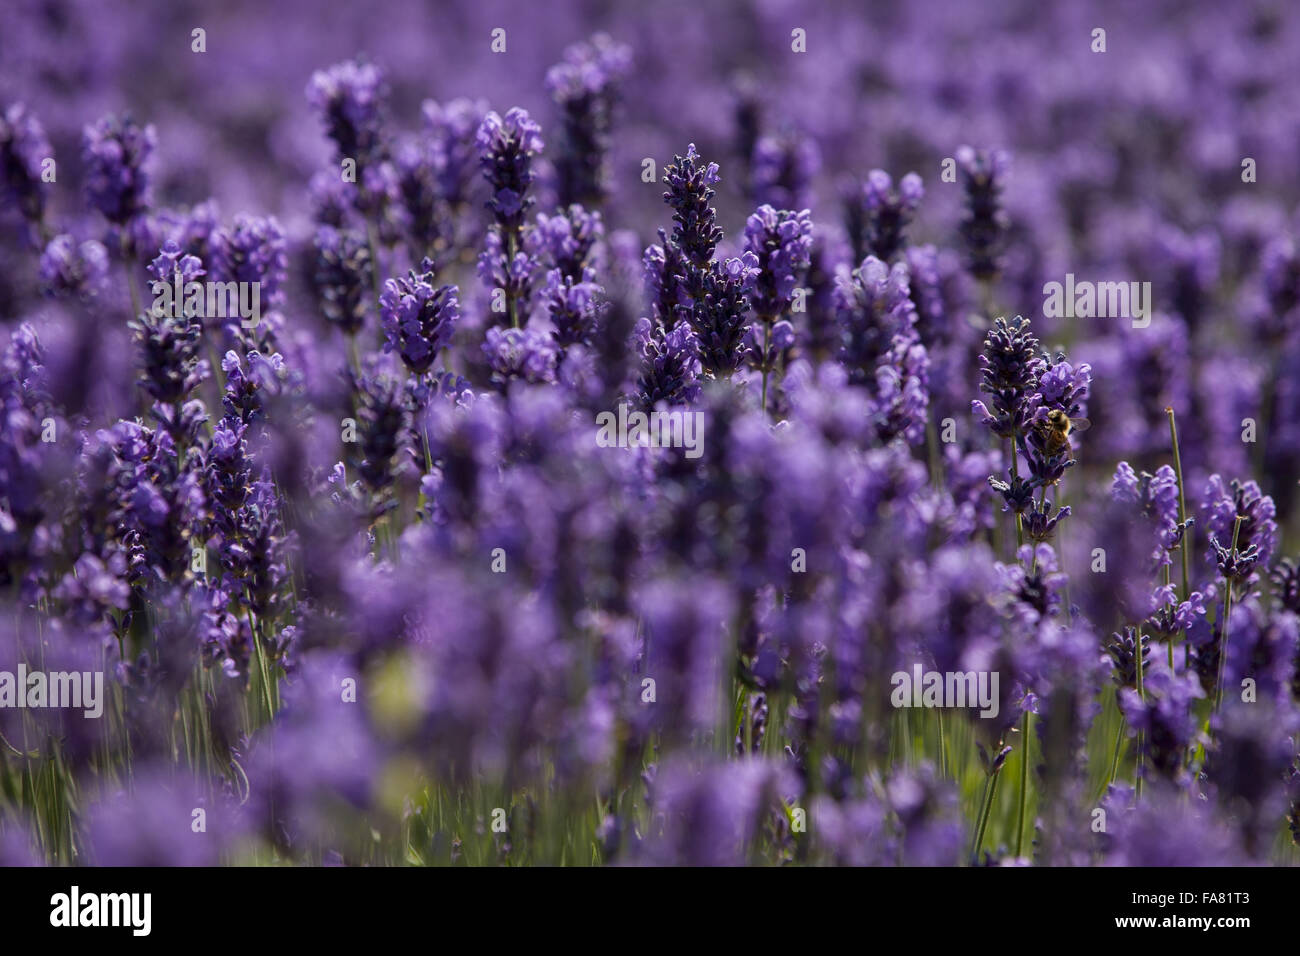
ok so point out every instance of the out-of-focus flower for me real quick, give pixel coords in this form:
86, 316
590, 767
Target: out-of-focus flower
72, 269
116, 151
985, 224
23, 149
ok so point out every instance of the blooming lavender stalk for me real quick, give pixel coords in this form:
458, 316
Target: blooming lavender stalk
23, 148
253, 251
878, 216
670, 364
664, 265
341, 276
695, 231
718, 314
418, 318
383, 422
984, 225
1241, 515
433, 175
170, 344
350, 98
880, 348
572, 308
571, 241
782, 243
1010, 366
585, 87
1155, 500
782, 169
1062, 389
1160, 709
116, 151
74, 270
527, 355
506, 150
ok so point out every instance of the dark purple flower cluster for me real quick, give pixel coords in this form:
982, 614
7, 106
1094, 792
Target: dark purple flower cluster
419, 319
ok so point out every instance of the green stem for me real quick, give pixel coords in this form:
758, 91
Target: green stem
1186, 544
1227, 612
1024, 782
991, 789
943, 749
1119, 745
130, 278
1170, 645
1015, 476
1141, 697
372, 240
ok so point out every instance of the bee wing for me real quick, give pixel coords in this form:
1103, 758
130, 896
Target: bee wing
1079, 424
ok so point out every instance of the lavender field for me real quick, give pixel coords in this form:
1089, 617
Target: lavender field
595, 433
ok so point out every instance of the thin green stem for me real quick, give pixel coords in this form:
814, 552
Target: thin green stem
943, 749
130, 277
1139, 650
1227, 613
1015, 477
1186, 544
1024, 781
1114, 760
991, 786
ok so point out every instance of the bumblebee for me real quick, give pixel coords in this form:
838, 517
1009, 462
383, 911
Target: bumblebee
1056, 430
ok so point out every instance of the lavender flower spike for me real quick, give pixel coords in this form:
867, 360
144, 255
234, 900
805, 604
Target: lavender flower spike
418, 318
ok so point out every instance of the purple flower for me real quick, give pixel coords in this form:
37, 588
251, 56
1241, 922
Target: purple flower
1155, 498
585, 87
506, 150
880, 348
116, 151
1010, 366
881, 213
570, 242
513, 275
572, 307
383, 421
1163, 712
418, 318
342, 276
718, 313
252, 250
525, 354
452, 130
695, 230
1220, 508
664, 269
350, 98
74, 270
23, 148
670, 364
985, 223
709, 817
782, 242
152, 824
782, 169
